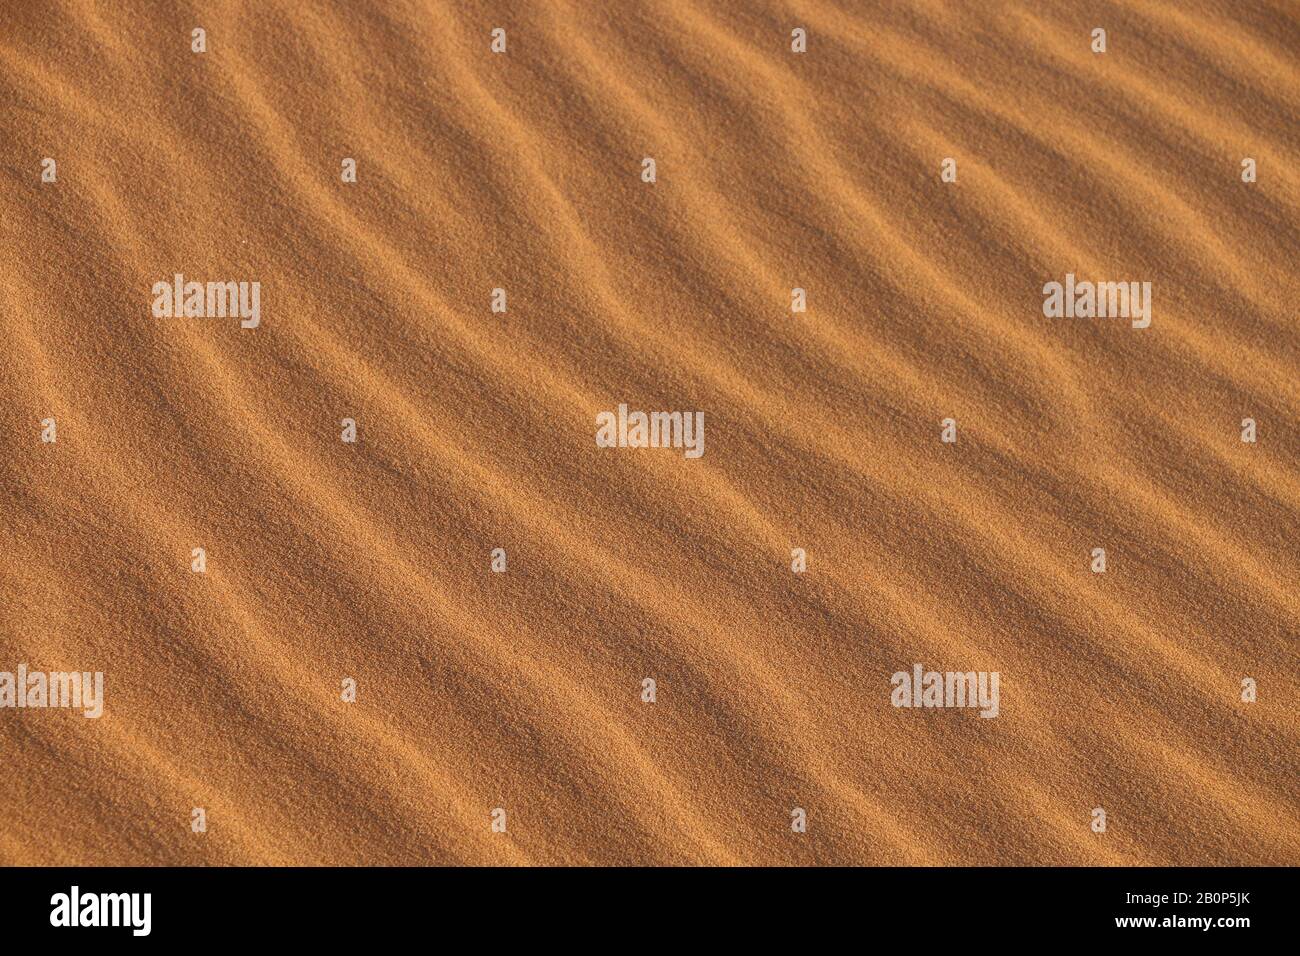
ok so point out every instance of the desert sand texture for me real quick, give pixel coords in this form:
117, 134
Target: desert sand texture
522, 690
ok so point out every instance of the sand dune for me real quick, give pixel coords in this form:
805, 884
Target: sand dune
523, 690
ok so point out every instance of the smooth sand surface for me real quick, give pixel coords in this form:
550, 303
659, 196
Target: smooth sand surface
522, 690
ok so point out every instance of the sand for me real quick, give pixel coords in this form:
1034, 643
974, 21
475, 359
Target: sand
522, 690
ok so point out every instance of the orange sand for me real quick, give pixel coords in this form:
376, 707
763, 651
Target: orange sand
522, 690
